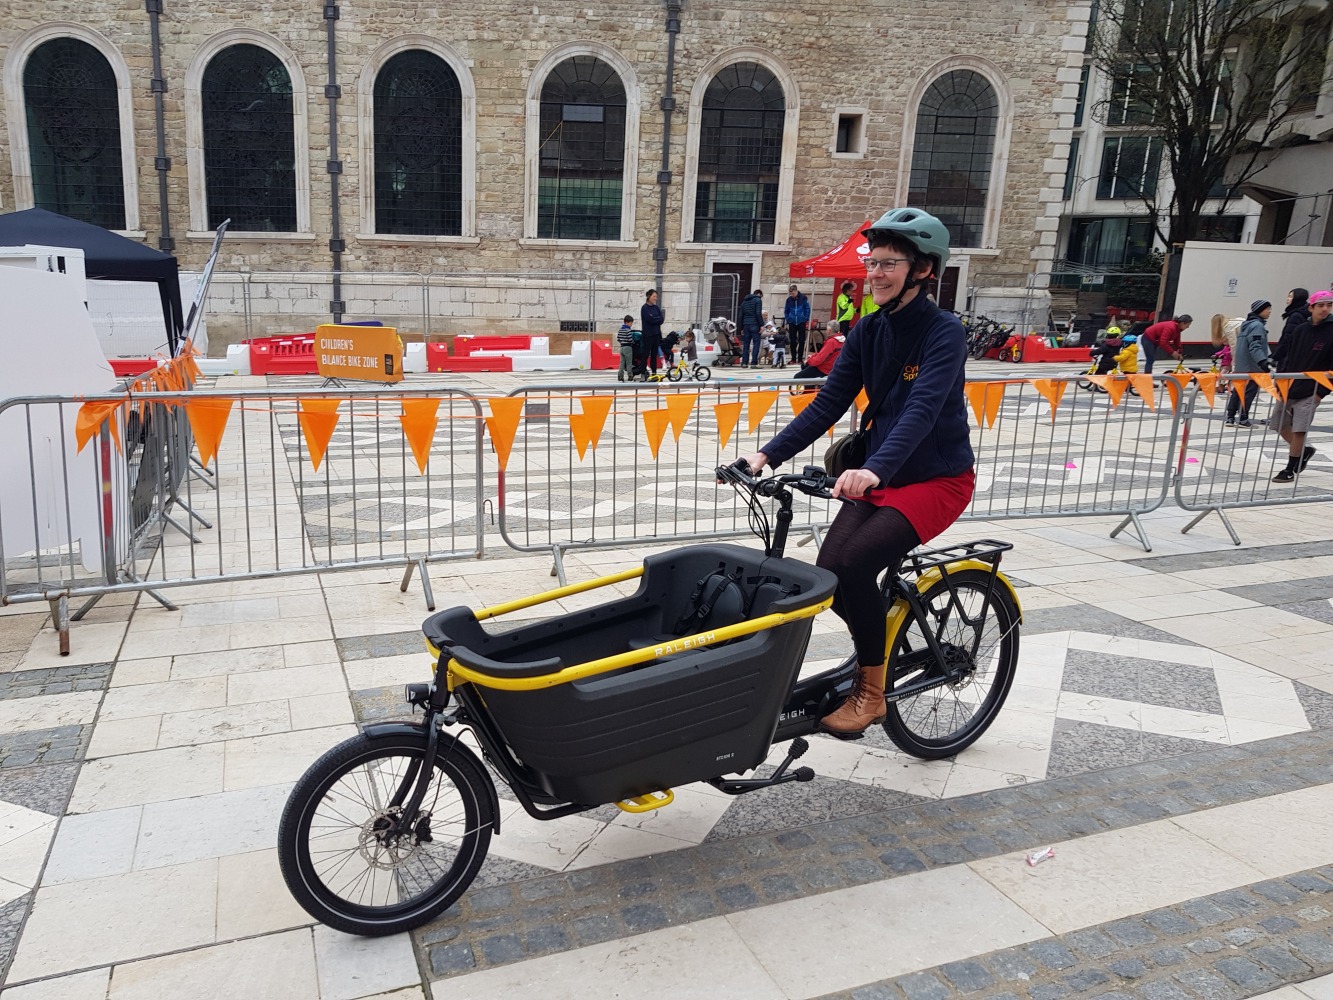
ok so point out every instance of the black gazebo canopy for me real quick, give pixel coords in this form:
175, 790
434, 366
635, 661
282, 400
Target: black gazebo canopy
106, 255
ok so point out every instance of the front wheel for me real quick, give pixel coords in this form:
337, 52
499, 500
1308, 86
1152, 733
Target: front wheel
979, 638
339, 856
703, 373
674, 374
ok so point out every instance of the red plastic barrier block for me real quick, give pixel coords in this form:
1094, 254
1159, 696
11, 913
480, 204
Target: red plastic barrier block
129, 367
604, 356
470, 364
464, 346
436, 356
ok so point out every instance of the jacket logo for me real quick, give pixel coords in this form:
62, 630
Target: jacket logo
910, 372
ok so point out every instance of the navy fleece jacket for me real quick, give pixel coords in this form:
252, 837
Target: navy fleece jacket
920, 430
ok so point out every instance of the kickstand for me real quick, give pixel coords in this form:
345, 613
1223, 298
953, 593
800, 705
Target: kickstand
739, 786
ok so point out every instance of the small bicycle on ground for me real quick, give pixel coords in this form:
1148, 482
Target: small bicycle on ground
680, 370
693, 677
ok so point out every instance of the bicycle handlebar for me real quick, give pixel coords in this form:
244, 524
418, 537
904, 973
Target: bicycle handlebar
812, 480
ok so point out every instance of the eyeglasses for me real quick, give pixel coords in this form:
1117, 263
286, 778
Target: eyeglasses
886, 264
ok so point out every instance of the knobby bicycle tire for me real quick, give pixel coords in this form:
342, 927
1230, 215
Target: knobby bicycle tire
996, 660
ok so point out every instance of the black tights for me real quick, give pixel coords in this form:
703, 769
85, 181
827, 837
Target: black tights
862, 542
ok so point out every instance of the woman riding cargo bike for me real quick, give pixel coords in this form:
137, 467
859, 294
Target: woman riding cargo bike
692, 677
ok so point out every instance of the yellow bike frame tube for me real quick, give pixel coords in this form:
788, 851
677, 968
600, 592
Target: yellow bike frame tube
555, 595
458, 672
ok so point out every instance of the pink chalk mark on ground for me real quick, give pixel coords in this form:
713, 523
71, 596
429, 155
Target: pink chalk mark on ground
1070, 465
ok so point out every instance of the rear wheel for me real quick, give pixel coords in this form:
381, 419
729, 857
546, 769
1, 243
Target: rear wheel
336, 847
980, 641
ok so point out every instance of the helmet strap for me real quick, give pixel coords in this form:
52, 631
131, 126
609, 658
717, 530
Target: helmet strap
908, 285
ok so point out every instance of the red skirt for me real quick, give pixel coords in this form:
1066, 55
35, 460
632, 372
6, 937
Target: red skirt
929, 507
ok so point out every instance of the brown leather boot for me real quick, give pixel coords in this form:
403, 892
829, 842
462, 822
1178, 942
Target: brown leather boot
863, 708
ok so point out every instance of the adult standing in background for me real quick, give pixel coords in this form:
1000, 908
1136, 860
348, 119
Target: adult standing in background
1297, 311
796, 312
651, 319
1248, 356
752, 323
846, 308
1163, 338
1308, 348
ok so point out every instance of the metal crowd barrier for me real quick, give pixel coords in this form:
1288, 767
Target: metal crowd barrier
135, 512
1224, 467
1089, 458
551, 499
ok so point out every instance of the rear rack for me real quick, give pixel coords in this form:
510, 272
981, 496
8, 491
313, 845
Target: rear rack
984, 549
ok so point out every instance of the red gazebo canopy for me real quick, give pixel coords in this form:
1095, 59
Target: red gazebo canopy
843, 261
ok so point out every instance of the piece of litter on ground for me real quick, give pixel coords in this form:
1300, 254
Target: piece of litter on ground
1037, 857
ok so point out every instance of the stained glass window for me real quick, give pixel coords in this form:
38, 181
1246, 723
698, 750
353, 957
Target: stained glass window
581, 154
249, 141
418, 146
740, 156
952, 152
74, 137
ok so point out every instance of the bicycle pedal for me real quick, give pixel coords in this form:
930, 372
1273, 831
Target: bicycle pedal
647, 803
846, 737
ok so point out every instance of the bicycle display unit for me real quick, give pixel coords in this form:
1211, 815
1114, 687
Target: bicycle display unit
693, 677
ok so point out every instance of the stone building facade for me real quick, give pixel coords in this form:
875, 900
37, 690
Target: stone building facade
843, 133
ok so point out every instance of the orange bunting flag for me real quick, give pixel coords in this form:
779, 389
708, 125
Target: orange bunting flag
587, 425
680, 405
419, 418
1053, 391
1143, 386
1265, 382
985, 398
1323, 378
728, 415
862, 401
90, 418
760, 403
318, 417
1207, 382
506, 411
1182, 377
1173, 392
1115, 387
1283, 386
655, 423
800, 401
208, 421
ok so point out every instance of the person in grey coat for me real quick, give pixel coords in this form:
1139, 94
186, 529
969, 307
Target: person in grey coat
1251, 355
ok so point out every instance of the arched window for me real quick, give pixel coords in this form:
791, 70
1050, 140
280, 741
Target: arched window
70, 95
418, 146
953, 151
249, 141
740, 156
581, 156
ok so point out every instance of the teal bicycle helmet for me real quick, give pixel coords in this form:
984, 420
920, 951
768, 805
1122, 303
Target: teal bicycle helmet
925, 232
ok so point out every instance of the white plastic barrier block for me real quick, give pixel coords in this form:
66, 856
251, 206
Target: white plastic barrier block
581, 352
544, 363
237, 362
708, 354
414, 358
540, 345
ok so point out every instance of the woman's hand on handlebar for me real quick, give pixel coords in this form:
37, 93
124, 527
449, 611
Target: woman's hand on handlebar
756, 462
855, 483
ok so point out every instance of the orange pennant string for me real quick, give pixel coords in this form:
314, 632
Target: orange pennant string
655, 423
680, 405
318, 418
760, 403
596, 409
1323, 378
208, 421
580, 425
800, 401
1115, 388
1143, 385
89, 420
1265, 382
1283, 386
728, 415
419, 418
1173, 391
985, 398
862, 401
506, 411
1053, 390
1207, 382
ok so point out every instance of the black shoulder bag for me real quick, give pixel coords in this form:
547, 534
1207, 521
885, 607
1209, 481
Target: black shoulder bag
849, 451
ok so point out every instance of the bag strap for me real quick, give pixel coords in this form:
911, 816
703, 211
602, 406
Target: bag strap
706, 592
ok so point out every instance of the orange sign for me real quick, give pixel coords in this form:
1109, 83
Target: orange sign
368, 353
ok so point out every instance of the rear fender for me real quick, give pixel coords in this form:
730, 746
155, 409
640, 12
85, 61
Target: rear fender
446, 743
933, 575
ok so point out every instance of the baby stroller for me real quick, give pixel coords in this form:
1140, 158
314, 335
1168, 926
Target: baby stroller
722, 332
639, 363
